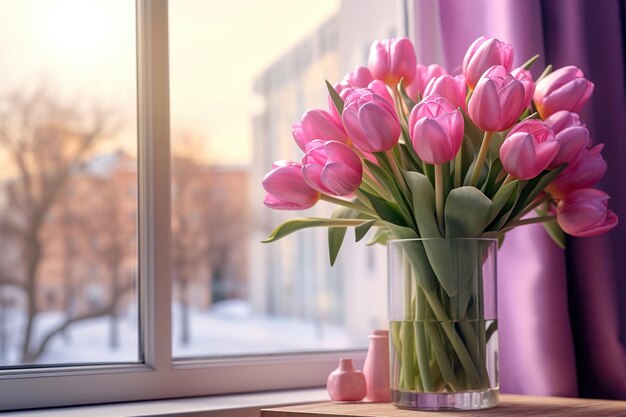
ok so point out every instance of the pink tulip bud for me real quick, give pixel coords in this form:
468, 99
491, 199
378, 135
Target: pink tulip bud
452, 88
391, 60
526, 79
436, 129
370, 121
497, 101
528, 149
483, 54
572, 136
287, 189
585, 213
332, 167
423, 74
318, 124
359, 78
564, 89
563, 119
583, 173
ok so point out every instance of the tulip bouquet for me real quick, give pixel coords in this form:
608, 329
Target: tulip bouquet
414, 152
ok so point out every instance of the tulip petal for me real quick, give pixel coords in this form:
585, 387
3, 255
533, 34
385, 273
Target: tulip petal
517, 154
340, 178
431, 142
353, 126
381, 128
484, 106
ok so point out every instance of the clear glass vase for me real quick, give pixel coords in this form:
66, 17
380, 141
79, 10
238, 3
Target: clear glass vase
443, 330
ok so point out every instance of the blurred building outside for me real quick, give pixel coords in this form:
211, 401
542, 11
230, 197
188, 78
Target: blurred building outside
293, 276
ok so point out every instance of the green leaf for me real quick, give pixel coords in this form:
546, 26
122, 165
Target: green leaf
381, 236
501, 197
490, 186
473, 133
361, 230
336, 235
534, 187
423, 203
553, 228
555, 232
506, 212
545, 72
387, 180
405, 97
467, 212
528, 64
408, 161
496, 142
387, 210
294, 225
454, 261
337, 101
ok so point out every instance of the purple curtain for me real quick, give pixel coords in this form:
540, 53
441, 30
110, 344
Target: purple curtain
562, 314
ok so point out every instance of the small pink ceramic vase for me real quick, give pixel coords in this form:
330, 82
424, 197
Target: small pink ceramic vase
346, 383
376, 367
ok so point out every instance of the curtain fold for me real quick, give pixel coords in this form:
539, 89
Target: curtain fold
562, 324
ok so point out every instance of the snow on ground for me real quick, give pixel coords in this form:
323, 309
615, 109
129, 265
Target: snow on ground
229, 328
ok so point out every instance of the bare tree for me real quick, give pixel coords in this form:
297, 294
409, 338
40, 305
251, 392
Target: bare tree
45, 141
208, 223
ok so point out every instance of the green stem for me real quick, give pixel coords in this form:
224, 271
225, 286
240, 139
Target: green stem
457, 343
350, 204
363, 199
396, 173
538, 219
480, 160
422, 356
534, 205
407, 354
402, 116
439, 196
507, 180
408, 289
458, 167
447, 370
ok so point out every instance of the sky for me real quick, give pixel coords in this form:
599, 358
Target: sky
84, 52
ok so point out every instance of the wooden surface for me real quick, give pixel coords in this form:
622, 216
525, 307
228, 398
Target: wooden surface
513, 405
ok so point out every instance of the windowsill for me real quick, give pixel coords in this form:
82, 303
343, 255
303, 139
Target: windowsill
240, 405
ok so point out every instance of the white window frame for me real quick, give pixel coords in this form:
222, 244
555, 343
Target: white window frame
158, 376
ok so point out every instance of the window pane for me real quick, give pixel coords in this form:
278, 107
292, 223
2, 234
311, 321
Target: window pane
241, 73
68, 182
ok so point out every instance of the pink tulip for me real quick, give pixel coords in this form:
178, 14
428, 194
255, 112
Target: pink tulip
370, 121
436, 129
583, 173
452, 88
287, 189
483, 54
585, 213
423, 74
332, 167
564, 89
572, 136
562, 120
392, 59
318, 124
528, 149
359, 78
497, 101
526, 79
